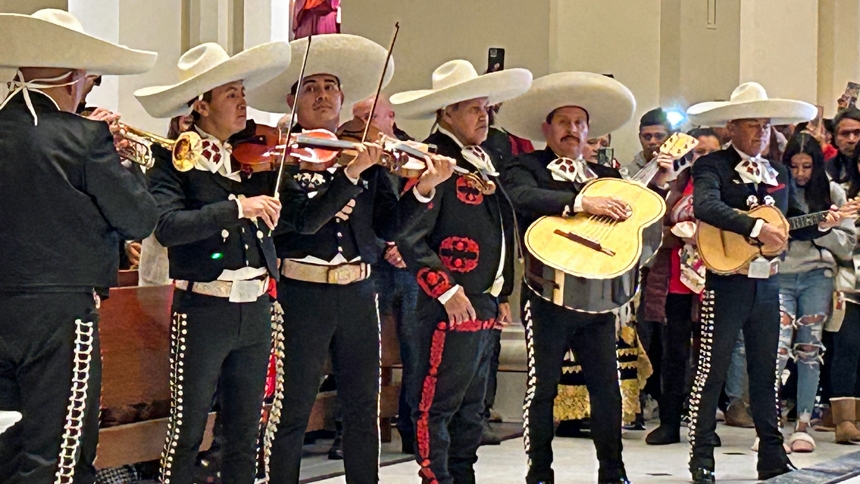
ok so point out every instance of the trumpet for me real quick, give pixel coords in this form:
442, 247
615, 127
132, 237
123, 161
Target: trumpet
185, 150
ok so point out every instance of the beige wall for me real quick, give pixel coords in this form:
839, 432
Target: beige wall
434, 32
30, 6
838, 50
618, 37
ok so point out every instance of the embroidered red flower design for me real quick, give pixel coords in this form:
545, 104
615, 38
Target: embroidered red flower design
459, 254
433, 282
467, 192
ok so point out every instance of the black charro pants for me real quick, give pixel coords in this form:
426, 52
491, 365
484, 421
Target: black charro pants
448, 405
50, 371
550, 331
341, 320
677, 337
224, 346
732, 304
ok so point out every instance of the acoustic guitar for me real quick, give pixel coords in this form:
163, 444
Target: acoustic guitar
592, 262
725, 253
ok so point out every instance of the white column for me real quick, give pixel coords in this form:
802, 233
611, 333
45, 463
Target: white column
101, 19
266, 21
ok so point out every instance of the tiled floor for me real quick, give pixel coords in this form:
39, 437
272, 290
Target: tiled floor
575, 462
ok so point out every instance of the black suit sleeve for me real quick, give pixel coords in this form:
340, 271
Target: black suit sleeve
178, 224
120, 194
303, 215
707, 204
431, 274
528, 197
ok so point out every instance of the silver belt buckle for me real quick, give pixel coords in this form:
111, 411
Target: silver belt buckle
345, 274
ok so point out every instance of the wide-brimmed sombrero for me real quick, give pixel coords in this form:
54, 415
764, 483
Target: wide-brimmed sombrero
208, 66
749, 101
456, 81
55, 38
356, 62
609, 104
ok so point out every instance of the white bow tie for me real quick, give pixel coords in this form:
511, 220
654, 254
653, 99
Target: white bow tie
570, 170
480, 159
215, 158
757, 170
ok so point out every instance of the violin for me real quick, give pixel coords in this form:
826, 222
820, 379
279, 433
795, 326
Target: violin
264, 150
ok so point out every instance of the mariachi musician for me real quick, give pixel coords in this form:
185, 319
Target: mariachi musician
216, 223
725, 182
327, 241
461, 251
565, 109
67, 204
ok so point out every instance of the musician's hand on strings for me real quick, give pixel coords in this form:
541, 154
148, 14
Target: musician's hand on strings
833, 218
132, 251
263, 207
667, 167
368, 155
439, 169
459, 308
609, 206
771, 235
392, 256
504, 317
346, 211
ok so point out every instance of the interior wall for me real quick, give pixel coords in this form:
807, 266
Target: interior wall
779, 40
596, 36
27, 7
838, 50
432, 33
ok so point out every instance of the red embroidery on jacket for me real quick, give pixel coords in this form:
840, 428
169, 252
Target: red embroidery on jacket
474, 326
433, 282
459, 254
776, 188
467, 192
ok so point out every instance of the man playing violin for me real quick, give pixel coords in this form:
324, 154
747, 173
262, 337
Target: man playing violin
216, 222
564, 109
461, 252
68, 202
327, 241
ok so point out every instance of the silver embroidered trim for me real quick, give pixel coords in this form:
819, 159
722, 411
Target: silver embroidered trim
531, 379
178, 333
71, 442
278, 403
703, 368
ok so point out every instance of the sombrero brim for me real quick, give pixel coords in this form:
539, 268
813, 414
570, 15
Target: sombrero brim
498, 86
8, 419
254, 67
32, 42
780, 111
610, 105
357, 62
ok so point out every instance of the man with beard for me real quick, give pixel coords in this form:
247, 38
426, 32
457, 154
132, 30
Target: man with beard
564, 109
327, 242
461, 251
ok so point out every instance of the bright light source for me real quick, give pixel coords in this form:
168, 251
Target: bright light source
675, 118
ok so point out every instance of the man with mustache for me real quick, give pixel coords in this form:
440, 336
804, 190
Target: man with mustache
327, 241
725, 184
216, 223
461, 252
564, 109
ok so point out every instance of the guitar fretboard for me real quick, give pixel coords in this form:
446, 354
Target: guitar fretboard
803, 221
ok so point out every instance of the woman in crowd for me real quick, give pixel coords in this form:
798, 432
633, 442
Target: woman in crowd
806, 281
672, 294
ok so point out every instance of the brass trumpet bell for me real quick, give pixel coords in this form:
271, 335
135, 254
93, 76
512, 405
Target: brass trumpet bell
185, 150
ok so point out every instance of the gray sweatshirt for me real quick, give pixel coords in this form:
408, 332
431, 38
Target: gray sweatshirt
821, 253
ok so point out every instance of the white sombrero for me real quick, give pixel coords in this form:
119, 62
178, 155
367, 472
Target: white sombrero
456, 81
8, 419
208, 66
55, 38
749, 100
357, 62
609, 104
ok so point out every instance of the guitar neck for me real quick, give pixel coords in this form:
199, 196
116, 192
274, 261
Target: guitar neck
808, 220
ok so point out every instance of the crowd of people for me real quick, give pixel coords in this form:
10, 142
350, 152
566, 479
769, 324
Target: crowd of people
277, 270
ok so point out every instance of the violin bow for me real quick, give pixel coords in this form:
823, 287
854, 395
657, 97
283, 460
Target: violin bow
381, 81
292, 122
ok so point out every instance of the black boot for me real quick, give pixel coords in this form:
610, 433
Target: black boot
700, 475
407, 442
669, 431
336, 451
612, 474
